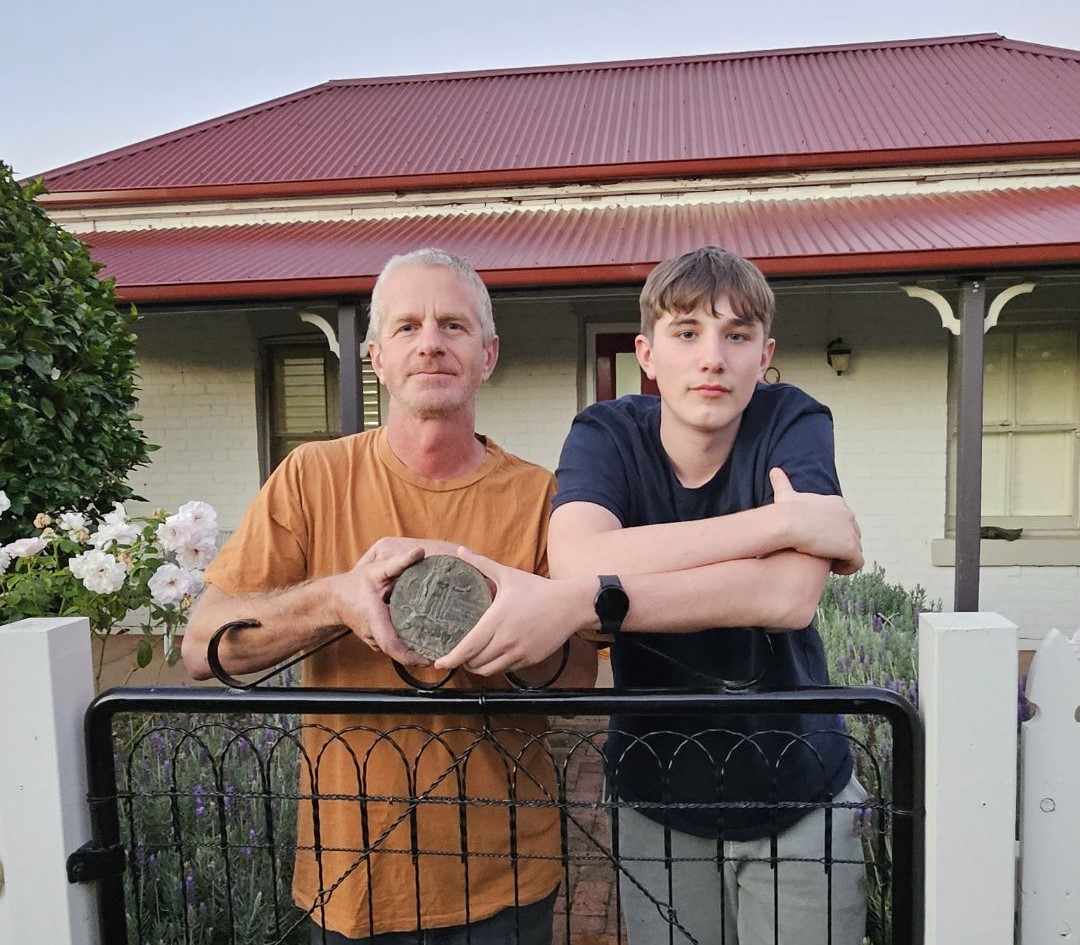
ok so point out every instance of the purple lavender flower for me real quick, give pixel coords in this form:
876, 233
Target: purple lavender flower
1024, 708
200, 803
863, 822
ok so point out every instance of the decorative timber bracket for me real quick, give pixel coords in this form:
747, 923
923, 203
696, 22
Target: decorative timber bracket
945, 312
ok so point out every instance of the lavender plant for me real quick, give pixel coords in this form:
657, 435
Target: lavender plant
869, 628
208, 815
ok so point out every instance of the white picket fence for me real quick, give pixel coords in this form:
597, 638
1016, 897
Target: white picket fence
1050, 797
968, 690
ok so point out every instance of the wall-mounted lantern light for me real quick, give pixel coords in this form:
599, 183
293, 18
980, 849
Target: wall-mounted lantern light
838, 355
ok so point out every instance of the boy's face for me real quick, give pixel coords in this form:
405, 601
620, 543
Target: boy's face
706, 365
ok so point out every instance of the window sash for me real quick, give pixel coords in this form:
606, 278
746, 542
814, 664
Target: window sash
1031, 433
304, 398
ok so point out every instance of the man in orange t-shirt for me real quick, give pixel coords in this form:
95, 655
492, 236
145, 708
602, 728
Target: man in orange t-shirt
321, 546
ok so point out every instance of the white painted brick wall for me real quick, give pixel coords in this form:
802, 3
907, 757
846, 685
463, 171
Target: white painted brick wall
890, 414
528, 403
198, 404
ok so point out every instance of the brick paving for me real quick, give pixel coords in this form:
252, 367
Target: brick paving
593, 908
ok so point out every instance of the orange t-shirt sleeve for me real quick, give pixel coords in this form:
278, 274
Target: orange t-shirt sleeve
269, 548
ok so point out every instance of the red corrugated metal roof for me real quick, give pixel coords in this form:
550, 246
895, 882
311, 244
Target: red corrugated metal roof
884, 234
953, 98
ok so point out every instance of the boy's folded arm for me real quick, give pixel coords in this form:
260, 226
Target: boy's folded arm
779, 592
587, 538
532, 616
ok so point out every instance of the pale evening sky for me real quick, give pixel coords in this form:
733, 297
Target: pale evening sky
78, 79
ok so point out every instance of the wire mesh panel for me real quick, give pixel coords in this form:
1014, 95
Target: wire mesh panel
272, 815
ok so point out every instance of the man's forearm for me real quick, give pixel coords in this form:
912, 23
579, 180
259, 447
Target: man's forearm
290, 620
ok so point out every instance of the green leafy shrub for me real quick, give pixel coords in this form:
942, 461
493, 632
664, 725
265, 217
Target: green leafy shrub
67, 359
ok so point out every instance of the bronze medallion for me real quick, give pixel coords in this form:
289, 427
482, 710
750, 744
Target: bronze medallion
435, 602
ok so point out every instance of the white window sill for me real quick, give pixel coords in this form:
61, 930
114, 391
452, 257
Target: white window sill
1032, 552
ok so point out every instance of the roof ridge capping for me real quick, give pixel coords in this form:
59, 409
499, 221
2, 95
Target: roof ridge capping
963, 39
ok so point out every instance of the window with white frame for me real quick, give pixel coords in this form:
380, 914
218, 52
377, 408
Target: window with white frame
1031, 419
303, 395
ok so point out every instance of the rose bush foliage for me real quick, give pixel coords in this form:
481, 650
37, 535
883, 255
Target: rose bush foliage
67, 360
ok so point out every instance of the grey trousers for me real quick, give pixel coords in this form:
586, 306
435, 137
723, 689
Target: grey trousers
515, 925
733, 903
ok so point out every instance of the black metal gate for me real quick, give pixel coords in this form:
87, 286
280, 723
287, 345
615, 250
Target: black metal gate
195, 797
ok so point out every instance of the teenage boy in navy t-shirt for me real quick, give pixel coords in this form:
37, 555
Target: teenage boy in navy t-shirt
718, 505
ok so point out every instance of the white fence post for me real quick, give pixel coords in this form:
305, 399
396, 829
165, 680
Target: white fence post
1050, 797
46, 683
967, 695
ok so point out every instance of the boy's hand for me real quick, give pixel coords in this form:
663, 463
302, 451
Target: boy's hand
820, 525
529, 619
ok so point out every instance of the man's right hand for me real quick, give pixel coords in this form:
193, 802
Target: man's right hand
821, 525
361, 595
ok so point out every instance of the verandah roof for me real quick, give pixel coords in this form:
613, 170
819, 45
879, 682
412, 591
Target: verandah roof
930, 232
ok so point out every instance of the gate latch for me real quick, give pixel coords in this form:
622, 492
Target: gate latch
92, 862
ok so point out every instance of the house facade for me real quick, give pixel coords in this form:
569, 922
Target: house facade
896, 194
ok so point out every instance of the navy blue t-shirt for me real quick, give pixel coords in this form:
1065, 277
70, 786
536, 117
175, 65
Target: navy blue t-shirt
701, 769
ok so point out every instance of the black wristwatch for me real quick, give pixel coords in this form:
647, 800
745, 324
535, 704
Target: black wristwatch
611, 604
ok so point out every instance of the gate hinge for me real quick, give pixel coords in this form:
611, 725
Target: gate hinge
92, 862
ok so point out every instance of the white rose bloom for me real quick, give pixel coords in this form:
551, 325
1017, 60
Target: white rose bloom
70, 522
5, 560
176, 534
170, 583
99, 571
196, 557
25, 547
120, 532
117, 516
5, 502
201, 513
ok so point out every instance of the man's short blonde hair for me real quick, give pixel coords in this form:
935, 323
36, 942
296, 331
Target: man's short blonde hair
700, 278
430, 256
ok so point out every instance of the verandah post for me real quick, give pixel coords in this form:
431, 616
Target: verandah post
46, 683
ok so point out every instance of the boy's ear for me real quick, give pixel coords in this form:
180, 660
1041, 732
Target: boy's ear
766, 358
643, 350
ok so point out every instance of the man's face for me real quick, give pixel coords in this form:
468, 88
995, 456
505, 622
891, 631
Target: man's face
706, 365
430, 355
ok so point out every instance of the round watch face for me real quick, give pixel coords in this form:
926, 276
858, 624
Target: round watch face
612, 605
